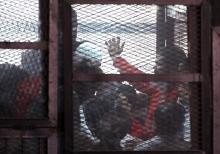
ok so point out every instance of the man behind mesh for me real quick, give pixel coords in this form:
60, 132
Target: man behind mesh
110, 119
169, 120
159, 92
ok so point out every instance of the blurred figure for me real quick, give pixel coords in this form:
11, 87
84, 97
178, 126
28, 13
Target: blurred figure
10, 78
33, 103
86, 59
110, 120
169, 120
158, 92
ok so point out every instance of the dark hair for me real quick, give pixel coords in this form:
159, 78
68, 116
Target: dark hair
142, 100
88, 88
169, 119
106, 123
129, 92
86, 66
172, 59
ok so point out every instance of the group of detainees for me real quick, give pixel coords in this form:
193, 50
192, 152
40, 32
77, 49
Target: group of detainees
148, 112
127, 115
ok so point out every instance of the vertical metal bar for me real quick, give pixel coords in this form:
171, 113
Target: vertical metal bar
216, 90
53, 73
170, 28
22, 145
44, 20
41, 146
207, 77
5, 145
160, 35
68, 102
44, 36
53, 65
52, 144
194, 62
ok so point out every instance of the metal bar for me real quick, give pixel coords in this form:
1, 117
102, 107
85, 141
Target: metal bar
52, 144
5, 145
148, 2
216, 89
44, 20
206, 95
37, 132
24, 123
24, 45
144, 152
194, 77
193, 19
53, 64
160, 34
215, 11
68, 102
42, 146
22, 145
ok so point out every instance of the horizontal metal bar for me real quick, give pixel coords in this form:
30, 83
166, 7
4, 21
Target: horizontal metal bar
194, 77
150, 152
24, 45
147, 2
26, 123
13, 133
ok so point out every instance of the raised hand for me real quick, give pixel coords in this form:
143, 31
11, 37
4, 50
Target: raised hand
114, 47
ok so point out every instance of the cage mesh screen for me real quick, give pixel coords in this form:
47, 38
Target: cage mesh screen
23, 85
156, 38
113, 39
19, 20
136, 116
23, 146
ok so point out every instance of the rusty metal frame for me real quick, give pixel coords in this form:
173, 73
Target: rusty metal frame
67, 54
24, 45
53, 63
206, 72
52, 46
216, 90
34, 132
194, 60
47, 127
204, 77
147, 2
195, 77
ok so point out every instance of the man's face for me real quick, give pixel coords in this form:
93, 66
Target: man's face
158, 69
124, 104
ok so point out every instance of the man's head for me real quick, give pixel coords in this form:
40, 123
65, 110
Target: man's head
169, 119
126, 97
86, 89
31, 62
89, 51
171, 59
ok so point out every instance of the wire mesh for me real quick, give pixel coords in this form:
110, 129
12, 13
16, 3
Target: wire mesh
23, 146
156, 37
23, 84
135, 115
19, 21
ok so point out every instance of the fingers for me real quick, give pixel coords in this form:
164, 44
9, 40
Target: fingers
123, 44
107, 44
118, 40
114, 42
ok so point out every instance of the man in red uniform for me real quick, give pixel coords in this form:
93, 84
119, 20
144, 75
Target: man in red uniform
159, 92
